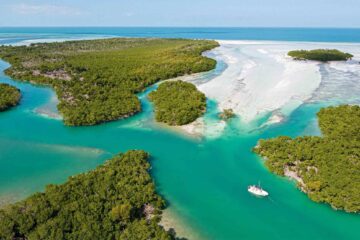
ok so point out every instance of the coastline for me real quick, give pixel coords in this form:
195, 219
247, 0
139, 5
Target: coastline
269, 83
318, 213
245, 86
49, 109
260, 78
170, 221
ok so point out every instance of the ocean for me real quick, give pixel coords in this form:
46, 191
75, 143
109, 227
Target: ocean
203, 180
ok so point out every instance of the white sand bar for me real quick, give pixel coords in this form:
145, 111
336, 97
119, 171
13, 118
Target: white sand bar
261, 78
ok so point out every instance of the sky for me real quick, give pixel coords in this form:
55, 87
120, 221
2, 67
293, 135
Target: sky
193, 13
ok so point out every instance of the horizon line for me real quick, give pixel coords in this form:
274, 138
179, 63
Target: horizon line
245, 27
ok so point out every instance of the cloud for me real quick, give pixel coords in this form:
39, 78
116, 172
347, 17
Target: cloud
44, 9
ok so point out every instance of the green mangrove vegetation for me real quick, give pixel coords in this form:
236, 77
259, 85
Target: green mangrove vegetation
322, 55
97, 80
9, 96
227, 114
178, 103
327, 168
117, 200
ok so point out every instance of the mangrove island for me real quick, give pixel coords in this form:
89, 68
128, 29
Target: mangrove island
178, 103
322, 55
9, 96
327, 168
227, 114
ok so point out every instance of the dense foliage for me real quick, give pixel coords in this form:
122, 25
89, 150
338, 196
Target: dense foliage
323, 55
329, 166
9, 96
96, 80
178, 103
110, 202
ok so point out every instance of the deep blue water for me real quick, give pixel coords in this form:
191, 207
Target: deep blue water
203, 181
275, 34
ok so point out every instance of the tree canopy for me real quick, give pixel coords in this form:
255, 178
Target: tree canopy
9, 96
178, 102
323, 55
227, 114
96, 80
115, 201
329, 166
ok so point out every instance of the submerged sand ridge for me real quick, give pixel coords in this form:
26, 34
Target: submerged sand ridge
261, 78
257, 80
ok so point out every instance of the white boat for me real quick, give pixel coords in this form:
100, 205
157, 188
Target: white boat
257, 190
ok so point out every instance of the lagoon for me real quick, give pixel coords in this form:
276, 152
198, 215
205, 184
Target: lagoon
204, 180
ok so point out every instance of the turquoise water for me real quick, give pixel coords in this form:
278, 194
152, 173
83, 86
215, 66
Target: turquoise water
204, 181
282, 34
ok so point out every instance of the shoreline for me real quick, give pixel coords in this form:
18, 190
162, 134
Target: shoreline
245, 86
170, 221
260, 79
235, 211
237, 86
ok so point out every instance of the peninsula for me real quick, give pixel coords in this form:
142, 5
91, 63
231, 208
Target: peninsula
117, 200
97, 80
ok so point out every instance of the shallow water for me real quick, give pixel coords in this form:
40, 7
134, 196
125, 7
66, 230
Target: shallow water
203, 180
261, 78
